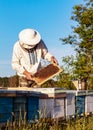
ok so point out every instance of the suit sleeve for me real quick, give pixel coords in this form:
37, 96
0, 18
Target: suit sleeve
16, 60
45, 53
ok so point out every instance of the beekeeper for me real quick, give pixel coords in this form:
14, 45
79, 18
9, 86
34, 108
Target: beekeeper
27, 54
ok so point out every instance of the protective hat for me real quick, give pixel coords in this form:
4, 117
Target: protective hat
28, 38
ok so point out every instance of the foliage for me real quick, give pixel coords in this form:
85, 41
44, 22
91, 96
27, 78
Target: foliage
49, 84
64, 81
81, 67
9, 81
4, 82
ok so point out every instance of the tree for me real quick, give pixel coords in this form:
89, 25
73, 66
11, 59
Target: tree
13, 81
64, 81
82, 39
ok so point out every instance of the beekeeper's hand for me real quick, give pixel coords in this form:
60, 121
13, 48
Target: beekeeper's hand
54, 60
28, 75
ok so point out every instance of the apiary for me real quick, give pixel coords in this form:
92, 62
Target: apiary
17, 103
35, 103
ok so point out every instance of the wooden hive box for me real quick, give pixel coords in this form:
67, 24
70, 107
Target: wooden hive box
47, 73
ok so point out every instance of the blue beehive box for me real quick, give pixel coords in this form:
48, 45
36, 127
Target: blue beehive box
33, 107
80, 105
6, 107
18, 105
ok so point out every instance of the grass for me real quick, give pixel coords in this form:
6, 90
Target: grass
80, 123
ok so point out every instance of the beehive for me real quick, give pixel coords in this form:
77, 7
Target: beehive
47, 73
16, 104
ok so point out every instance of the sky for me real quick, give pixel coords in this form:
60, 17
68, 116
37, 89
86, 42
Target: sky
51, 18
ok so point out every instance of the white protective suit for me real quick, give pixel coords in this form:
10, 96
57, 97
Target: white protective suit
23, 60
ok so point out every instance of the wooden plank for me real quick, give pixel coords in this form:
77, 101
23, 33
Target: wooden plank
47, 73
3, 88
7, 94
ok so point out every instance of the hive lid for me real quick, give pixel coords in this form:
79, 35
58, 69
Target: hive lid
47, 73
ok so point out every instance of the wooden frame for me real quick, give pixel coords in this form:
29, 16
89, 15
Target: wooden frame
47, 73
